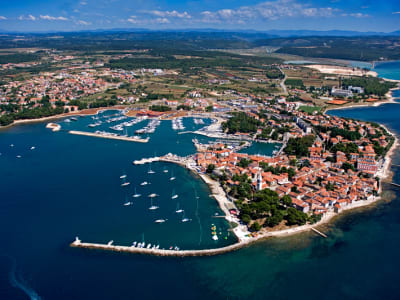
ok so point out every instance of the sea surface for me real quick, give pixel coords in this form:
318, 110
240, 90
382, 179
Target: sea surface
389, 70
69, 185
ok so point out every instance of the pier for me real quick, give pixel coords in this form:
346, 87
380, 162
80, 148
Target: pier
319, 232
156, 252
114, 137
394, 184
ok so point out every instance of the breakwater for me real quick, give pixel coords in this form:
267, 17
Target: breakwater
157, 252
114, 137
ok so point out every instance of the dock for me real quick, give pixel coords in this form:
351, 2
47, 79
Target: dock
319, 232
156, 252
113, 137
394, 184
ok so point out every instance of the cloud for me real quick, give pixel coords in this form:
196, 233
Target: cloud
27, 18
172, 14
356, 15
269, 10
133, 20
85, 23
3, 18
162, 21
50, 18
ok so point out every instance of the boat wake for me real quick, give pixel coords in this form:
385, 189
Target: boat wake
198, 218
18, 282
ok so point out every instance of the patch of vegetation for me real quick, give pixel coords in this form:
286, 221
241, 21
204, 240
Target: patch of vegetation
241, 122
299, 146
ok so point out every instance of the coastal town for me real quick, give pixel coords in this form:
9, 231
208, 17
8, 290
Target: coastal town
321, 164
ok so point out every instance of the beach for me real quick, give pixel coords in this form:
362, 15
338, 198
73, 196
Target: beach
345, 71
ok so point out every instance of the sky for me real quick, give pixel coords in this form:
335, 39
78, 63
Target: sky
73, 15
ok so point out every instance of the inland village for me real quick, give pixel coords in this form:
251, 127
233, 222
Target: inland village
199, 149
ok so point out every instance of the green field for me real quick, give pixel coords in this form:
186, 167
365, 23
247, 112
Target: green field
310, 109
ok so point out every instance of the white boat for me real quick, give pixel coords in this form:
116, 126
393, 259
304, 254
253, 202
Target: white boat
125, 184
152, 195
136, 195
148, 246
215, 237
33, 148
134, 244
184, 219
110, 243
12, 145
150, 171
122, 176
153, 207
128, 203
172, 178
145, 183
19, 156
159, 221
178, 210
174, 196
165, 171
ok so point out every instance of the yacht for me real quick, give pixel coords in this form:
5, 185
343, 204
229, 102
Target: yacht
148, 246
145, 183
184, 219
33, 148
125, 184
153, 207
12, 145
172, 178
215, 237
152, 195
159, 221
19, 156
136, 195
150, 171
128, 203
122, 176
134, 244
178, 210
174, 196
165, 171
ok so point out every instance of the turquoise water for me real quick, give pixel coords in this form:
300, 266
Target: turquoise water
389, 70
261, 148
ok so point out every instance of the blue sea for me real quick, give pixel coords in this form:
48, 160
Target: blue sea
69, 186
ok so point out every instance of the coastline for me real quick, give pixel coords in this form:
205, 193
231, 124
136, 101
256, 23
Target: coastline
389, 99
86, 112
